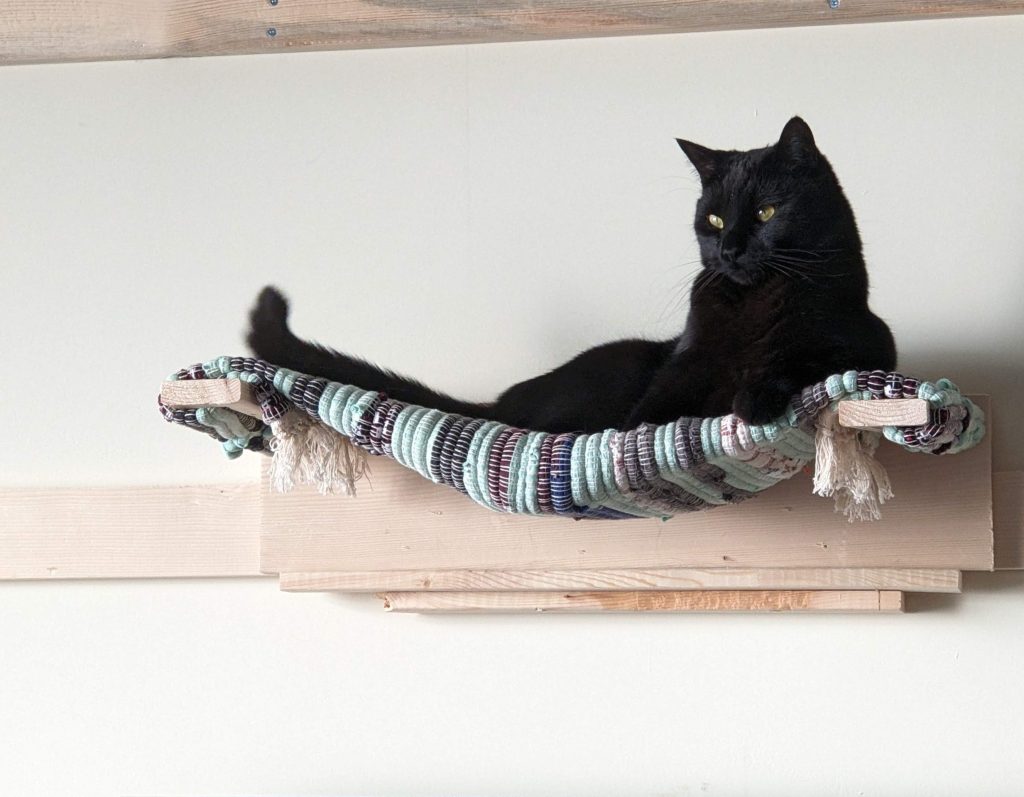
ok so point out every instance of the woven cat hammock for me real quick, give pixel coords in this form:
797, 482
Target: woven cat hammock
319, 433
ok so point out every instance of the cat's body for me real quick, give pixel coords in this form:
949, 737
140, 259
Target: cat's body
781, 303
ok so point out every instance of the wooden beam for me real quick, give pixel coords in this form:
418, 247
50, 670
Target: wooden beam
941, 518
232, 393
624, 579
838, 601
130, 532
71, 30
1008, 514
886, 412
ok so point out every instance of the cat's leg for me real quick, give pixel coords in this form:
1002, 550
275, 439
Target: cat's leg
271, 339
765, 397
680, 388
593, 391
764, 392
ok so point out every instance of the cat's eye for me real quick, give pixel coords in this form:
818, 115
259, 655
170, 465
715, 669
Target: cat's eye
765, 213
716, 221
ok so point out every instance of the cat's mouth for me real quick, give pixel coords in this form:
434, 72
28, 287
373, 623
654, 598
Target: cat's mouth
742, 275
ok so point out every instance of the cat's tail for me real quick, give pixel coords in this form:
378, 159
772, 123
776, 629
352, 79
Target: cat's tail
272, 340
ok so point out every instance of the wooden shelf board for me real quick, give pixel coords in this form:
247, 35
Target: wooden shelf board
625, 579
793, 601
1008, 512
70, 30
130, 532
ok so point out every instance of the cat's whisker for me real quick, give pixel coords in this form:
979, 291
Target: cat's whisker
794, 270
820, 249
681, 264
799, 256
673, 306
799, 260
679, 293
807, 269
798, 269
714, 278
821, 255
784, 271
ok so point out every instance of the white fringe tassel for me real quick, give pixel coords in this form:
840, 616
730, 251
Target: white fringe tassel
846, 469
306, 452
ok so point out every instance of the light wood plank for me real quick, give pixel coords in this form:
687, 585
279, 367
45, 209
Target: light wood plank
129, 532
734, 578
192, 393
941, 518
890, 412
71, 30
1008, 507
832, 601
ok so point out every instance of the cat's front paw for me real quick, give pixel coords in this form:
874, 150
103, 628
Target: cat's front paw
763, 402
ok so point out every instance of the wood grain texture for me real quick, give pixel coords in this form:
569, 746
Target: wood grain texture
624, 579
941, 518
70, 30
890, 412
1008, 510
129, 532
233, 393
837, 601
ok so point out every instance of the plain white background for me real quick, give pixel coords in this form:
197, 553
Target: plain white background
472, 215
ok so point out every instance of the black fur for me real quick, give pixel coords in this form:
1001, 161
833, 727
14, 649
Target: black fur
779, 304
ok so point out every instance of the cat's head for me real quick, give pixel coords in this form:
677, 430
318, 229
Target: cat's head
773, 211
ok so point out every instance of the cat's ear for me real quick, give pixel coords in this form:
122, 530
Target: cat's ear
797, 140
705, 161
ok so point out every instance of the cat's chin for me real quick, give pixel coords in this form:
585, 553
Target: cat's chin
743, 277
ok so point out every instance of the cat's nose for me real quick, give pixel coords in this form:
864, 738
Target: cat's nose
730, 254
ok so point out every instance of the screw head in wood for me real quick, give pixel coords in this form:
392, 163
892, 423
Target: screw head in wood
271, 32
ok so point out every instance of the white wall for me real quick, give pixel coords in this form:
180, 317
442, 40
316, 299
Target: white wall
436, 210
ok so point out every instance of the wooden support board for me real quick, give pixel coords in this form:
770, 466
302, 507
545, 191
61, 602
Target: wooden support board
1008, 511
673, 579
831, 601
890, 412
130, 532
233, 393
71, 30
149, 532
941, 518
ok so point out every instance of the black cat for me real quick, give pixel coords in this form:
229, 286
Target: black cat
780, 304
